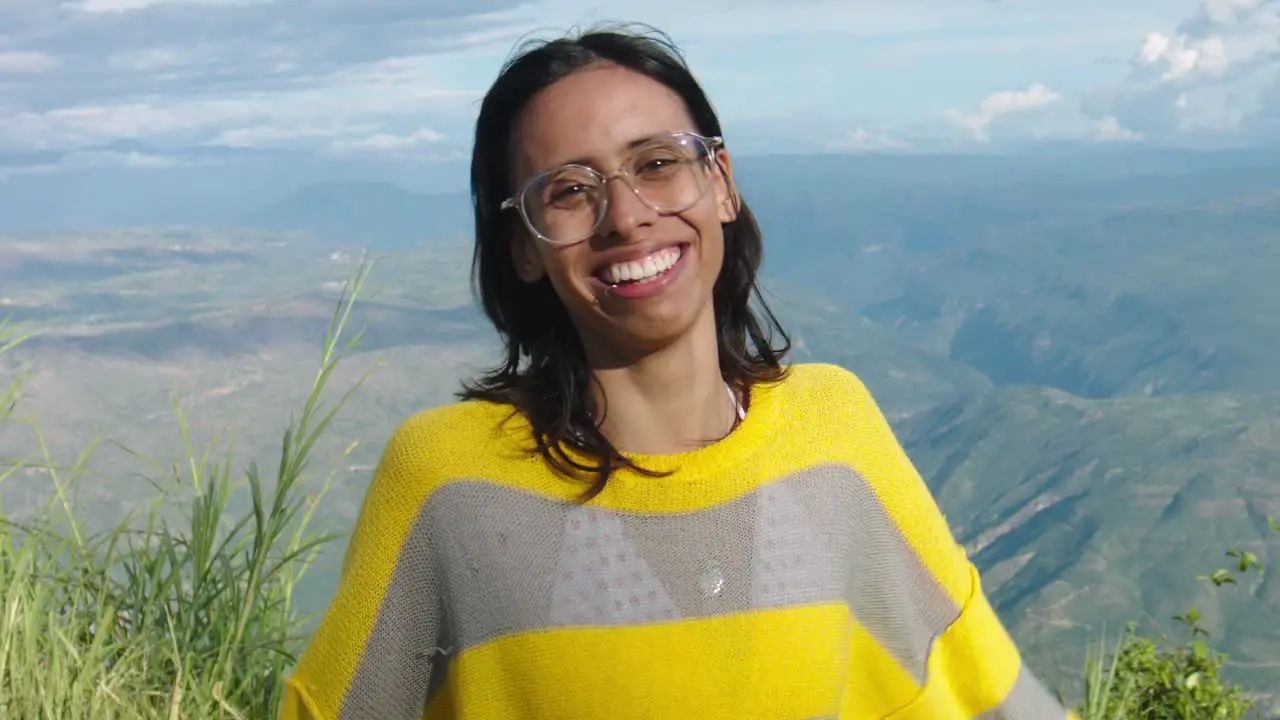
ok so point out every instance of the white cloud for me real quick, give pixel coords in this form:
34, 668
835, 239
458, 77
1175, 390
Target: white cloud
1109, 129
863, 140
367, 76
125, 6
259, 136
1224, 13
1177, 57
153, 58
86, 159
1001, 104
26, 62
239, 73
1205, 75
105, 158
354, 100
734, 21
381, 143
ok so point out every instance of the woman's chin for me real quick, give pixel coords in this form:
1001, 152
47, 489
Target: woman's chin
660, 325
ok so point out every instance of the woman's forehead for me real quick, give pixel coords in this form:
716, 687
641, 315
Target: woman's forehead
596, 116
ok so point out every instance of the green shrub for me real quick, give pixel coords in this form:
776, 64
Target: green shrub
1152, 678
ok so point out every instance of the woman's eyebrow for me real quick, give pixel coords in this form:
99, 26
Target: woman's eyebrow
628, 146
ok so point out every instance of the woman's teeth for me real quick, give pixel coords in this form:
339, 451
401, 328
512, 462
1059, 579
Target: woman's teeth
642, 269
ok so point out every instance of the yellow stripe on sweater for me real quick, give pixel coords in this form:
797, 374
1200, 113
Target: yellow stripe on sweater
972, 668
789, 664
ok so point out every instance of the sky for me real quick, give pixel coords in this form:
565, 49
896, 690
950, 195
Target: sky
152, 85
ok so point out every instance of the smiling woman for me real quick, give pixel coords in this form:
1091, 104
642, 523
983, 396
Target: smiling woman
641, 513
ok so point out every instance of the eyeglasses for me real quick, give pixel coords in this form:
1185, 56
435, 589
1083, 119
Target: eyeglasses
668, 173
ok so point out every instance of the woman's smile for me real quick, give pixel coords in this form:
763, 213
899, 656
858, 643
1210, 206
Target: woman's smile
643, 274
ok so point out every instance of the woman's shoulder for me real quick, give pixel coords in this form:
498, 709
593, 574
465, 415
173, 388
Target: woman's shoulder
822, 387
451, 442
838, 422
459, 424
836, 411
820, 377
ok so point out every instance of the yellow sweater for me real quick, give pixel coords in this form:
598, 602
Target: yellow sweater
797, 569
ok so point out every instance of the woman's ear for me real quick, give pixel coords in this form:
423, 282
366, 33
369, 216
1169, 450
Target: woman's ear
727, 199
525, 258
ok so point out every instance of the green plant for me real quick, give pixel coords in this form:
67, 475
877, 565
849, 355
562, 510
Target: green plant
1150, 678
169, 617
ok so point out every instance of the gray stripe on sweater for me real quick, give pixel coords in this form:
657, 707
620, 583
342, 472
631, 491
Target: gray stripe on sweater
502, 561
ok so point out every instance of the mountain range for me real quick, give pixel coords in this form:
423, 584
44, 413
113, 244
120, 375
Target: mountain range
1078, 351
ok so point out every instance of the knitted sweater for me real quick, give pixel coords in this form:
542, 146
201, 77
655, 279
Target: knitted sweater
799, 568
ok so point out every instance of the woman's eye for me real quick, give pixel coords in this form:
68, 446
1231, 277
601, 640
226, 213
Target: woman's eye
566, 192
657, 165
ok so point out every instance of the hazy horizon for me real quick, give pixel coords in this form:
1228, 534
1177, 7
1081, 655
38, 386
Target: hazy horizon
201, 107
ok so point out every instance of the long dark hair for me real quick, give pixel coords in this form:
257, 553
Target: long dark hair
544, 374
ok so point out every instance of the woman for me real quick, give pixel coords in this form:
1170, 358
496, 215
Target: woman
641, 513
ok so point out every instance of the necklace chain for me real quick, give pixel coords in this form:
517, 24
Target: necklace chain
739, 410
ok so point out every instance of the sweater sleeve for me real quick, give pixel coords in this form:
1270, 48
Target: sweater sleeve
975, 672
973, 669
373, 652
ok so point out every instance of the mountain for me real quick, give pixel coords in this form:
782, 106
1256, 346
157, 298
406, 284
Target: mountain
1143, 291
904, 378
1141, 301
379, 215
1085, 514
1078, 352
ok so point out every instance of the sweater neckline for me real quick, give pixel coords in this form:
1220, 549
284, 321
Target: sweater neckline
689, 473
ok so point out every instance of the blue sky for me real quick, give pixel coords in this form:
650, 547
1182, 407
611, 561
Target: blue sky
156, 84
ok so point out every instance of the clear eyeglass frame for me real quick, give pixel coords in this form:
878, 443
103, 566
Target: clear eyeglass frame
710, 146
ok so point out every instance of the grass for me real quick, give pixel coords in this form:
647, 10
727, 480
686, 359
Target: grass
194, 617
161, 616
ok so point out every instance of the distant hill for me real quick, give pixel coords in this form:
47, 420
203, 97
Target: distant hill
1163, 300
1086, 514
1119, 285
301, 321
378, 215
904, 378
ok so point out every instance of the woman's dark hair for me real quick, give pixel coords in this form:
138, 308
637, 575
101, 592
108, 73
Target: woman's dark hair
544, 375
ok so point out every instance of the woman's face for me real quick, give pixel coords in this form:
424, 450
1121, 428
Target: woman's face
598, 117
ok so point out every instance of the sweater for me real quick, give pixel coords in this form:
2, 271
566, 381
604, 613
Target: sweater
798, 568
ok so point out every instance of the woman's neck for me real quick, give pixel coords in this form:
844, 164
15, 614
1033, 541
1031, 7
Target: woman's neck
670, 401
